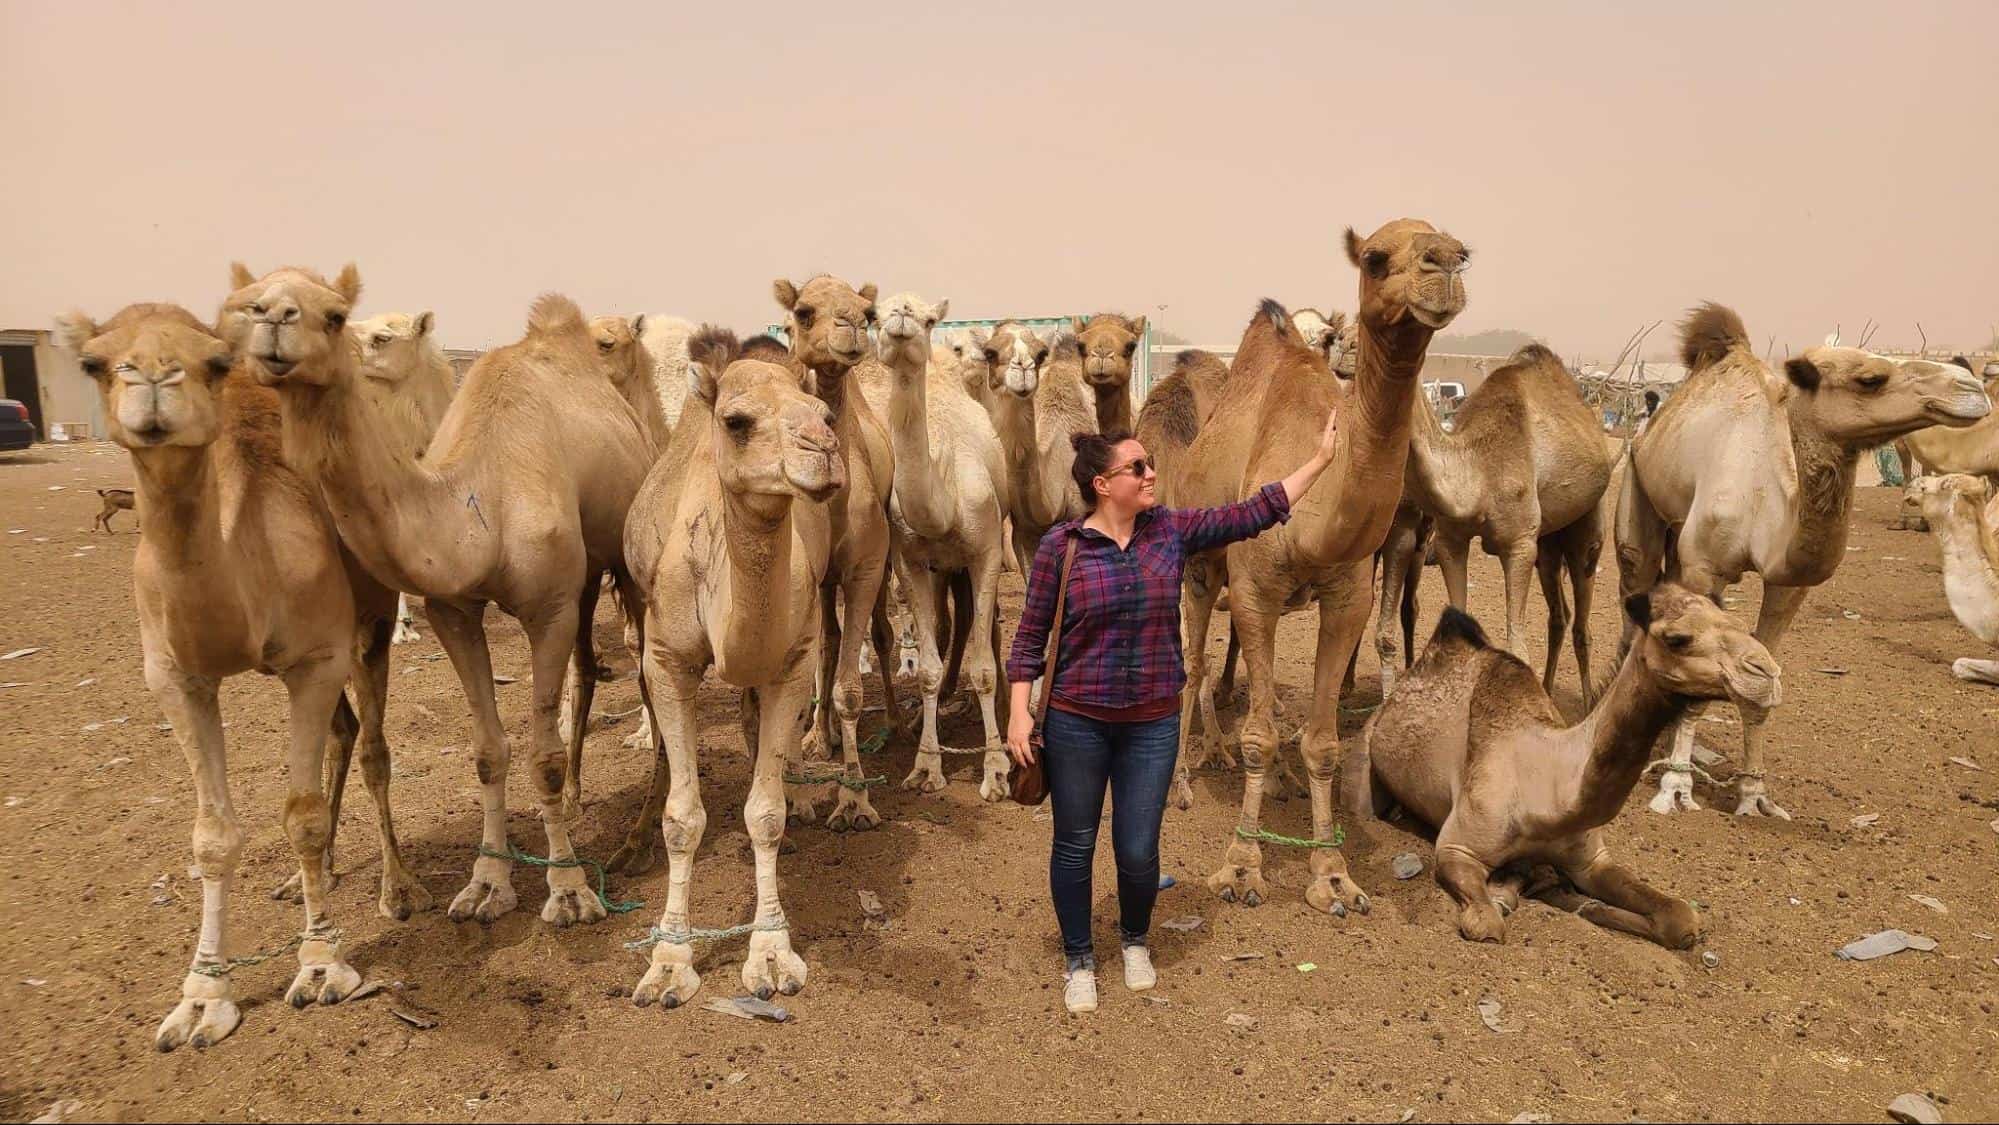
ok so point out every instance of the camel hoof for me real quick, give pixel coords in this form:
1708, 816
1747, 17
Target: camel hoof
853, 813
483, 900
1482, 923
636, 857
1183, 794
405, 635
1676, 793
995, 786
205, 1015
325, 982
1761, 805
670, 980
292, 890
400, 900
772, 967
927, 775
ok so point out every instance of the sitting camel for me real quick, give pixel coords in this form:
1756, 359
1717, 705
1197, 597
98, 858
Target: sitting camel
1963, 513
1471, 746
1743, 469
730, 538
238, 569
1105, 348
410, 382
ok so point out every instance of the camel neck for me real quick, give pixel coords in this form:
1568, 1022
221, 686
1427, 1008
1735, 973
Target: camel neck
1442, 475
830, 384
1617, 738
1348, 522
1113, 409
1826, 471
178, 501
920, 480
758, 534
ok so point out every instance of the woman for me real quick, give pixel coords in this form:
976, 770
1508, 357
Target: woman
1114, 716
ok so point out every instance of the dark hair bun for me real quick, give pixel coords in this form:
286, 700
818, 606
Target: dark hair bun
1085, 440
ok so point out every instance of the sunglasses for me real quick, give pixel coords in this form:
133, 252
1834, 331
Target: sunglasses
1137, 466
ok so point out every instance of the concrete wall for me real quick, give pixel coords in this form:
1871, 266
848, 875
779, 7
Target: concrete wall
68, 395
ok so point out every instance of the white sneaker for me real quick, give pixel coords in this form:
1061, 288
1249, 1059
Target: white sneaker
1080, 994
1139, 975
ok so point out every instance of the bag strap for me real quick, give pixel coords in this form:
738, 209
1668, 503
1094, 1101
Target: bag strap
1054, 637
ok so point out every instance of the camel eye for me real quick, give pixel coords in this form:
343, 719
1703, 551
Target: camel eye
1131, 349
1872, 382
992, 356
382, 339
1678, 641
94, 366
870, 314
335, 321
804, 316
739, 425
1376, 263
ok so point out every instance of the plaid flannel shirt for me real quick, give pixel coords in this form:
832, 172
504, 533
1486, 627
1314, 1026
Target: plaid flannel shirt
1121, 622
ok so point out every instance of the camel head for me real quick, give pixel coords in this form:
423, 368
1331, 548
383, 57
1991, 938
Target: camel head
968, 347
617, 341
1109, 344
773, 437
1857, 397
392, 345
1953, 499
292, 323
1013, 356
159, 370
1325, 332
907, 321
1409, 271
828, 320
1696, 650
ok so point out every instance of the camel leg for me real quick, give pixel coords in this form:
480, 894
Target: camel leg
1468, 881
1516, 567
1582, 549
572, 895
1627, 903
1241, 873
1412, 585
1343, 614
818, 744
771, 965
640, 851
1396, 577
579, 691
1974, 671
984, 671
401, 895
1780, 606
960, 613
1548, 565
1676, 784
859, 593
1196, 605
323, 974
925, 590
490, 892
206, 1013
1225, 690
1642, 536
342, 733
405, 622
670, 980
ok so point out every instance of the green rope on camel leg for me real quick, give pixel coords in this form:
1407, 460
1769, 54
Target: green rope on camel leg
604, 900
1260, 836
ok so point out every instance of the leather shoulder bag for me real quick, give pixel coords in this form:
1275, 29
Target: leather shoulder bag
1029, 784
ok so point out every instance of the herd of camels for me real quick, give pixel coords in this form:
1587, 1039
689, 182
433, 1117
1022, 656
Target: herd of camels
760, 509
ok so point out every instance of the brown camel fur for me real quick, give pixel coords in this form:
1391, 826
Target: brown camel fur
1278, 391
1038, 406
1955, 449
238, 569
520, 501
1106, 346
1963, 513
630, 367
1472, 747
115, 500
1745, 469
731, 538
1524, 469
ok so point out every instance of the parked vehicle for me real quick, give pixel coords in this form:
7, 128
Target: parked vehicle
16, 432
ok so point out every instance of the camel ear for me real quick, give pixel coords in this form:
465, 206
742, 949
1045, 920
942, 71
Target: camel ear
240, 276
701, 383
867, 292
979, 336
1076, 324
1137, 327
638, 325
943, 308
1802, 372
425, 321
785, 292
73, 330
348, 284
1353, 247
1638, 607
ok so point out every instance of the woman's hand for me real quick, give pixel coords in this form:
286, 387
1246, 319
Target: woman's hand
1329, 437
1300, 480
1019, 725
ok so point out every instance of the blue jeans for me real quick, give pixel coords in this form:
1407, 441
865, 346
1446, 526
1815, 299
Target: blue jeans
1083, 757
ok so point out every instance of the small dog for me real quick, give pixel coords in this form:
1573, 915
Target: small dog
115, 500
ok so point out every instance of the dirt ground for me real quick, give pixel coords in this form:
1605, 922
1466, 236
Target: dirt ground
954, 1012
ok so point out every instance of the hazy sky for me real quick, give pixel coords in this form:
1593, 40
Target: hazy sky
1610, 164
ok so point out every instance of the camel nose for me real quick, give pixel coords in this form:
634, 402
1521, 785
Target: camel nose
283, 311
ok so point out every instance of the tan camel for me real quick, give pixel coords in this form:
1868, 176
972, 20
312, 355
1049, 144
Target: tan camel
1278, 394
827, 322
238, 569
731, 540
631, 367
1963, 513
1743, 470
665, 341
1472, 747
1105, 347
1523, 468
1325, 332
411, 384
520, 501
948, 498
1038, 406
1955, 449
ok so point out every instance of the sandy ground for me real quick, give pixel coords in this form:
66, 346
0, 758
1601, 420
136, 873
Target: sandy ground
954, 1011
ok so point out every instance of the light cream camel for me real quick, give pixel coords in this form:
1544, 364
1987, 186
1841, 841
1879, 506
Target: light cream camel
238, 569
731, 540
1278, 394
1523, 468
827, 322
1955, 449
1744, 469
1105, 347
665, 341
950, 481
520, 501
1963, 513
630, 366
1038, 406
1472, 747
410, 383
1325, 332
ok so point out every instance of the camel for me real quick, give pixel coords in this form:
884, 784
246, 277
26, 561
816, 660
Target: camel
827, 323
115, 500
665, 341
620, 345
1523, 468
1105, 347
1746, 470
1038, 407
1963, 513
1955, 449
238, 569
731, 541
1473, 748
519, 501
946, 506
1278, 393
1324, 331
411, 384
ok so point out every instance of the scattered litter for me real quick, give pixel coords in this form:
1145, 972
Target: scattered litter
748, 1008
16, 802
1166, 881
1408, 1115
504, 680
1188, 924
1161, 1001
1408, 865
1242, 957
15, 683
1981, 937
1883, 944
1915, 1108
19, 653
1530, 1119
41, 538
874, 916
1240, 1019
1711, 959
120, 760
163, 891
1794, 900
34, 982
1831, 671
926, 814
1850, 615
86, 681
59, 1111
17, 531
55, 488
1994, 826
421, 1023
1488, 1014
736, 1077
1865, 820
163, 726
1967, 763
1307, 967
1705, 756
367, 989
1933, 904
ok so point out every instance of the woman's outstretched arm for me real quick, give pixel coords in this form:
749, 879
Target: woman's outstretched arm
1203, 529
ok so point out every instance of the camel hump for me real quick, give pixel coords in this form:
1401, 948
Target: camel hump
1708, 334
1279, 317
1457, 625
554, 314
1535, 355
